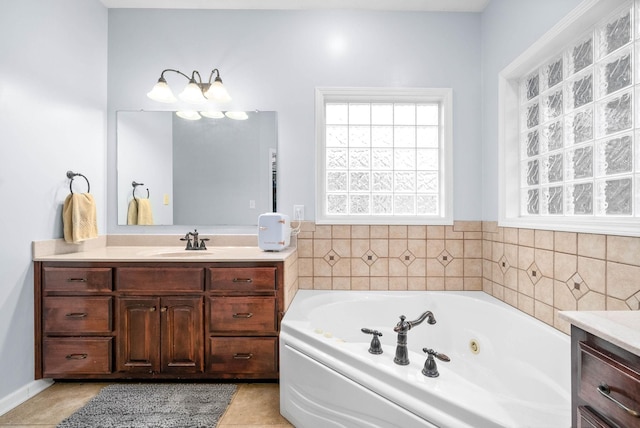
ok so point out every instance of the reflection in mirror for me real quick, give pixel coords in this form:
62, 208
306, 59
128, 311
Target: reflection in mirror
207, 172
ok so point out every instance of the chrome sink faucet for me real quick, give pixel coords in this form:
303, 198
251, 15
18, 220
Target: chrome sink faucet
402, 353
197, 244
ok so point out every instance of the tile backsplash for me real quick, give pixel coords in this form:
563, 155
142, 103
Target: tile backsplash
537, 271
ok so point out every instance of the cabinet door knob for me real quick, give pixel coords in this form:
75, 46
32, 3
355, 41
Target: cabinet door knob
152, 309
605, 391
164, 309
243, 315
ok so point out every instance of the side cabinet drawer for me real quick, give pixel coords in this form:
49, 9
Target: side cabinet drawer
242, 279
77, 315
159, 279
242, 314
243, 355
77, 279
73, 356
603, 379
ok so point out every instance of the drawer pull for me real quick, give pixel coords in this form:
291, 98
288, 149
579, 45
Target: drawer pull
76, 357
246, 280
605, 391
76, 315
242, 356
76, 279
243, 315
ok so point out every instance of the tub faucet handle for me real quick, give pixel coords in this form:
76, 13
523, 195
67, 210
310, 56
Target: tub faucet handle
376, 347
430, 367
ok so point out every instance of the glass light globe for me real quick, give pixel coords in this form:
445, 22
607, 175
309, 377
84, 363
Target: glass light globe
188, 115
217, 92
237, 115
212, 114
161, 92
192, 94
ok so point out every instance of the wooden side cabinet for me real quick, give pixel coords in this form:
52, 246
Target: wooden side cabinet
605, 384
166, 320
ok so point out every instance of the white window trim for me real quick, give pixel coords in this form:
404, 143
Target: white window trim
581, 19
444, 96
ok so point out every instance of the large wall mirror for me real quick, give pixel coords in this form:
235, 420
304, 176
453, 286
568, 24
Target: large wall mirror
207, 172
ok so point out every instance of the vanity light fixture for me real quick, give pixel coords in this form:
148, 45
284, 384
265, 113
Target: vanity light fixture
196, 92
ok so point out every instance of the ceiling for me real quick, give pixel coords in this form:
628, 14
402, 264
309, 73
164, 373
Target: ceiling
399, 5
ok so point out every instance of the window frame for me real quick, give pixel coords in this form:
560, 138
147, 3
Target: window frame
571, 28
442, 96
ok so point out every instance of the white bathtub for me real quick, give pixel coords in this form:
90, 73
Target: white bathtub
519, 378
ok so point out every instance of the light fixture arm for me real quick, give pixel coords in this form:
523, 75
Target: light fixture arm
215, 70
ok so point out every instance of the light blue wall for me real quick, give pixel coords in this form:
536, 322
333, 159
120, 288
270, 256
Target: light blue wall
274, 60
508, 28
53, 95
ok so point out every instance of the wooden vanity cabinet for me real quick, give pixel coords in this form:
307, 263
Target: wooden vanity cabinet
169, 320
605, 385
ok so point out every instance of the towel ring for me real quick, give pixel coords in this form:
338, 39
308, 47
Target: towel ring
134, 184
71, 175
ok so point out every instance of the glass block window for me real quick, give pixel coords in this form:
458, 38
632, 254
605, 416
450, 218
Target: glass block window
381, 157
578, 134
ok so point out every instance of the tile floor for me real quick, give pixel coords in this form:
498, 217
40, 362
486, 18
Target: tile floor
255, 405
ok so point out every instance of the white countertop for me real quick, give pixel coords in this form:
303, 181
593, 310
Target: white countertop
622, 328
169, 254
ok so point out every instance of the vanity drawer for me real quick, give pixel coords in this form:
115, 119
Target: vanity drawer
242, 278
602, 371
588, 419
243, 355
158, 279
77, 279
77, 315
242, 314
74, 356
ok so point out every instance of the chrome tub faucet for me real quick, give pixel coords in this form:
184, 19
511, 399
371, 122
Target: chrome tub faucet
402, 354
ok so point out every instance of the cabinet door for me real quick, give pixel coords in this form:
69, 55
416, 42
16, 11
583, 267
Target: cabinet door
182, 334
138, 335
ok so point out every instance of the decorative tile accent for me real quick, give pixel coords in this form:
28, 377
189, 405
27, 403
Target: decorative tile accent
503, 264
534, 273
634, 302
332, 257
369, 257
407, 258
577, 286
445, 258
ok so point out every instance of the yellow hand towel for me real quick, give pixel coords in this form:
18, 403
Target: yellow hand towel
132, 212
145, 215
79, 218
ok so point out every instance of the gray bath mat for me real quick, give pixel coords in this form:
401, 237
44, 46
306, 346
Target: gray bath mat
153, 405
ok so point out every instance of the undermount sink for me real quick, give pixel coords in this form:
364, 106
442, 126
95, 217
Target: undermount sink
177, 253
187, 253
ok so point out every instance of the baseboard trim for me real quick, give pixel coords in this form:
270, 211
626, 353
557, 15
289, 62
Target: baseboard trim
21, 395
